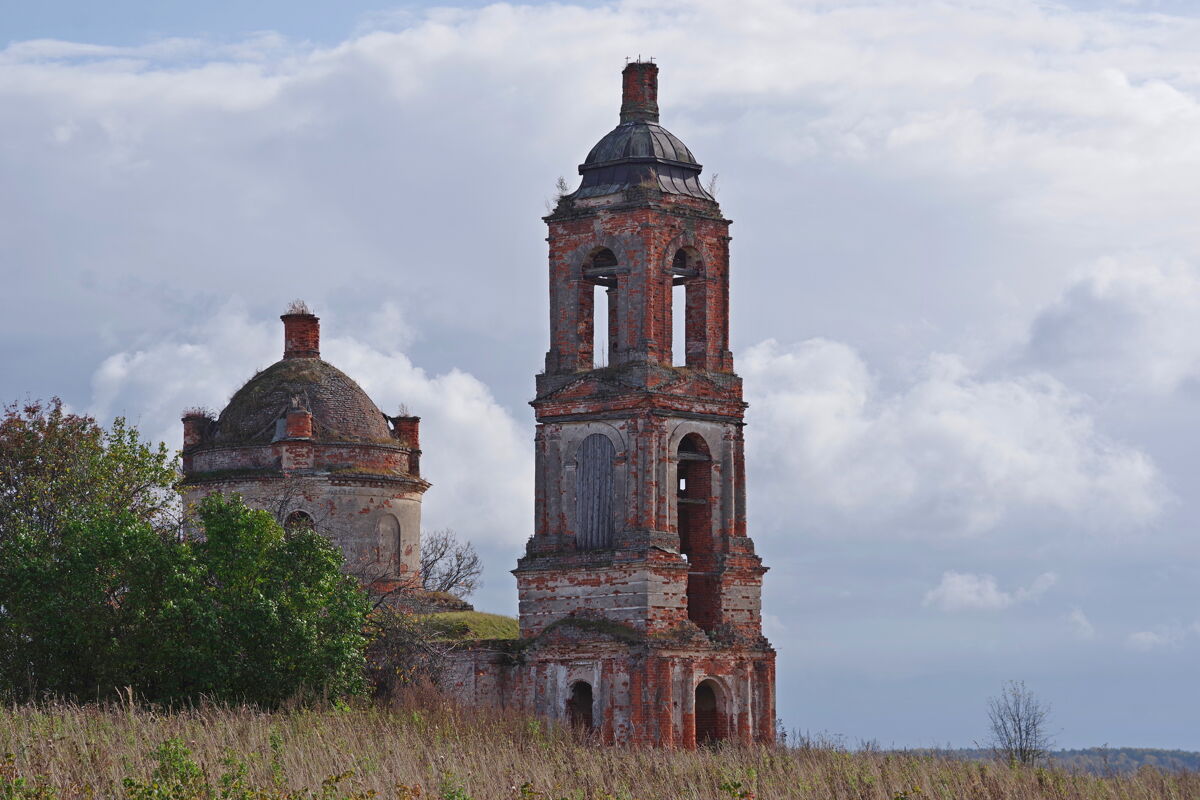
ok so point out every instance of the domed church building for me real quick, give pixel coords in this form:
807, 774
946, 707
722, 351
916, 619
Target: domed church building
302, 440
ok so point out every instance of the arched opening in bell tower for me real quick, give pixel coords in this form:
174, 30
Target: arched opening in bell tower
601, 345
693, 507
600, 308
687, 309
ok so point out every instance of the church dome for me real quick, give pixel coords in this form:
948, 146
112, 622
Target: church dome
639, 139
639, 151
341, 410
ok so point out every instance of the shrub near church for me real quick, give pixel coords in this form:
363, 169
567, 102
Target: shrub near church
99, 594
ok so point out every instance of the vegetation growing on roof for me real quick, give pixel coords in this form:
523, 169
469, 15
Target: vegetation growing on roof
474, 625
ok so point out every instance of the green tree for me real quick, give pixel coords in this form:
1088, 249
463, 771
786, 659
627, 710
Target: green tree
76, 609
277, 615
57, 468
243, 612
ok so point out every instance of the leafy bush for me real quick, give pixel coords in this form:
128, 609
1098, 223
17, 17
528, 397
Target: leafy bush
245, 613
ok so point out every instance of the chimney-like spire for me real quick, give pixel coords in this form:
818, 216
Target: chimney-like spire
301, 332
639, 92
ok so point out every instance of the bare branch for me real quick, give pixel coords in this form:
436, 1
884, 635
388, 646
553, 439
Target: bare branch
448, 565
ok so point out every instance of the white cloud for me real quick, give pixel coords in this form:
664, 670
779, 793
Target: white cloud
266, 158
1080, 624
1130, 324
200, 365
478, 457
1157, 639
967, 591
952, 452
959, 591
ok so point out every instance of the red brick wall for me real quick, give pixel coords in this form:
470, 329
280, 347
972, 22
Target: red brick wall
642, 693
644, 240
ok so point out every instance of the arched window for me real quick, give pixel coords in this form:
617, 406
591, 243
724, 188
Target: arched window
594, 492
688, 335
579, 706
600, 307
299, 520
693, 514
711, 724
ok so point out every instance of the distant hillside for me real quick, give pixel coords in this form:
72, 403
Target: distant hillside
1105, 760
1102, 760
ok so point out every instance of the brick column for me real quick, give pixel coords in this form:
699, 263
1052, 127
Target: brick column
301, 336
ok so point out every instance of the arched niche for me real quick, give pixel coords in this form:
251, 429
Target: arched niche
579, 709
595, 492
390, 547
712, 713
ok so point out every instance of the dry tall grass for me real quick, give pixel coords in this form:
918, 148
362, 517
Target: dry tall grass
436, 751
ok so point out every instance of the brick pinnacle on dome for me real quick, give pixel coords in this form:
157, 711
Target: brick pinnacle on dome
639, 92
301, 331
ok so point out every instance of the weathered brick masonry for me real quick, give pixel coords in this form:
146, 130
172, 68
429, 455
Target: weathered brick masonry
639, 591
303, 440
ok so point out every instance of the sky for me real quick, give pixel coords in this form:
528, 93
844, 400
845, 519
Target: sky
965, 293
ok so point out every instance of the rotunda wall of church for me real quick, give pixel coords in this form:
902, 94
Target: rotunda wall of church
376, 524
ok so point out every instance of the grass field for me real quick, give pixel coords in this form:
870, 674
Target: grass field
430, 750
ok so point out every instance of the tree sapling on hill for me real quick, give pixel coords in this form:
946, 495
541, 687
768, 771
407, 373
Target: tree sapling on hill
1017, 721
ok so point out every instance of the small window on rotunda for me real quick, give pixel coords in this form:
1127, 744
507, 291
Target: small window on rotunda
299, 520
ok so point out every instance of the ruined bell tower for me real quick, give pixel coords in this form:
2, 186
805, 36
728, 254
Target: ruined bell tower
640, 589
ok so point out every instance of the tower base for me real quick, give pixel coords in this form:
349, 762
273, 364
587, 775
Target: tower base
682, 691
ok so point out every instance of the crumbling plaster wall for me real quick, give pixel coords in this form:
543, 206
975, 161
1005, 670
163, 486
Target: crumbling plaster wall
376, 524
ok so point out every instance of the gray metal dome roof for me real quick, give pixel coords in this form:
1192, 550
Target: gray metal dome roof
639, 139
637, 152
